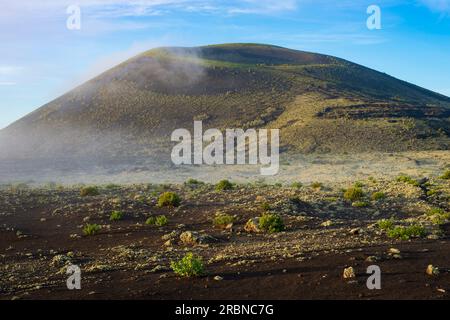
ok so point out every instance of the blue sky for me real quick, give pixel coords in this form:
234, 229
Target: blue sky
41, 59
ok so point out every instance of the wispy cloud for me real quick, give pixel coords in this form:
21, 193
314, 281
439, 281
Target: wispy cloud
7, 70
442, 6
123, 8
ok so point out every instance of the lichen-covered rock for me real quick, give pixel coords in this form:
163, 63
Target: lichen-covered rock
252, 225
194, 238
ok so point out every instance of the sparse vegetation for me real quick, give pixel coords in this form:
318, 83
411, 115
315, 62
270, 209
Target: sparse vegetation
188, 266
193, 182
271, 222
91, 229
222, 220
116, 215
89, 191
378, 196
438, 216
169, 199
406, 233
446, 175
353, 194
265, 206
316, 185
161, 221
386, 224
408, 180
297, 185
224, 185
360, 204
151, 221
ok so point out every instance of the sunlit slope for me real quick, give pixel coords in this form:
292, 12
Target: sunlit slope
320, 103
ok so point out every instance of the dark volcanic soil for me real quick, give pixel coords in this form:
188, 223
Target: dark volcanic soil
41, 234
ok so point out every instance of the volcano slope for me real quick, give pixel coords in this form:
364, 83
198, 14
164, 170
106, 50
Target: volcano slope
322, 104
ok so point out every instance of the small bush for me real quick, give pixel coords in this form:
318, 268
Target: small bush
188, 266
271, 223
316, 185
193, 182
446, 175
169, 199
222, 220
116, 216
265, 206
406, 233
358, 184
89, 191
224, 185
408, 180
353, 194
386, 224
91, 229
151, 221
438, 216
360, 204
112, 186
161, 221
297, 185
378, 196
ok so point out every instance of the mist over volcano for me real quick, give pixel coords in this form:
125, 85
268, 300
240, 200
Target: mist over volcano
321, 104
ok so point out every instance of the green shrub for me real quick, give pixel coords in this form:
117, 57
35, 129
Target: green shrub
116, 216
169, 199
386, 224
188, 266
224, 185
353, 194
438, 216
406, 233
161, 221
221, 220
265, 206
408, 180
89, 191
446, 175
316, 185
112, 186
358, 184
151, 221
378, 196
360, 204
91, 229
193, 182
297, 185
271, 223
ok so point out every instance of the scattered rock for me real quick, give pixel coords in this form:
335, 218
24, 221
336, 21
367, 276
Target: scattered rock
349, 273
218, 278
355, 231
432, 270
193, 238
393, 251
327, 223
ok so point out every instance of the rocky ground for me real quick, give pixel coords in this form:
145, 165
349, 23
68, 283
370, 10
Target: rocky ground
399, 224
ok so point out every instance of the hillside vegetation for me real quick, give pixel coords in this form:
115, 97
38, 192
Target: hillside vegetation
321, 104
